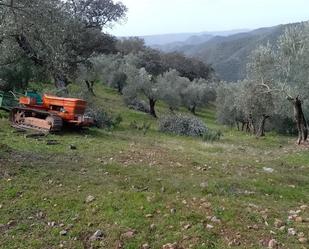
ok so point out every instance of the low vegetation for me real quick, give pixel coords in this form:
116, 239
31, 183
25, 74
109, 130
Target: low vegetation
135, 188
165, 166
182, 125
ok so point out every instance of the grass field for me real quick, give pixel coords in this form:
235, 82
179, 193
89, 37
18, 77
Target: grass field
152, 189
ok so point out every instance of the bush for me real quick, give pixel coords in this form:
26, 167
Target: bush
103, 119
182, 125
211, 135
282, 125
141, 127
4, 115
138, 105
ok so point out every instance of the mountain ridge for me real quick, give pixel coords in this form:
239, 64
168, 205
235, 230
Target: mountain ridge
228, 55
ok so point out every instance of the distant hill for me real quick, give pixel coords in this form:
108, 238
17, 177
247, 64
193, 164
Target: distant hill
227, 54
164, 39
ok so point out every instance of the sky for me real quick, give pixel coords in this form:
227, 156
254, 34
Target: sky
148, 17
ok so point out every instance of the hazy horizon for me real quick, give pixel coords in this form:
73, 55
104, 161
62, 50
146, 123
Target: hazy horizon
156, 17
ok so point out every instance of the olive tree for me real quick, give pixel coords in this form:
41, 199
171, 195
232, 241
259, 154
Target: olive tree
258, 105
293, 65
197, 93
58, 35
169, 85
292, 73
140, 82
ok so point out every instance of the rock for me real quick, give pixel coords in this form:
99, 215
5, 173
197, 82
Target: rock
234, 242
299, 219
300, 235
148, 215
204, 185
119, 245
291, 231
152, 227
272, 244
170, 246
63, 232
97, 235
11, 223
72, 147
214, 219
90, 198
294, 212
254, 227
40, 215
51, 223
173, 210
208, 226
278, 223
292, 217
303, 240
129, 234
187, 226
145, 246
268, 170
303, 207
282, 228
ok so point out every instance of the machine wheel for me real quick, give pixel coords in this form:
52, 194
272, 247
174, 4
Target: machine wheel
19, 117
55, 122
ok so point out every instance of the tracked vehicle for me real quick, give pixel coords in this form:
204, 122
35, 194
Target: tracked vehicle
48, 114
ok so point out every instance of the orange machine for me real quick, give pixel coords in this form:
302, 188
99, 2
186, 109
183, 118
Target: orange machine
49, 113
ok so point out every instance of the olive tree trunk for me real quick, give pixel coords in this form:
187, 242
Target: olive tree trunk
261, 130
152, 111
61, 82
192, 109
90, 85
300, 120
250, 127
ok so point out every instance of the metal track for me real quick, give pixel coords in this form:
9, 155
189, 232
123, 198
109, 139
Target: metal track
54, 119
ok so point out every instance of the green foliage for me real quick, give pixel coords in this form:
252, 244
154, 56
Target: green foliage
191, 68
138, 105
212, 135
276, 73
144, 126
3, 114
227, 112
182, 125
103, 119
132, 176
56, 36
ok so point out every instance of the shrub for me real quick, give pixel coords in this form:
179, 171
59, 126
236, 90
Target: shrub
211, 135
182, 125
141, 127
103, 119
3, 114
138, 105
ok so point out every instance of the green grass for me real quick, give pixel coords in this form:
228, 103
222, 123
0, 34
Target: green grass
137, 179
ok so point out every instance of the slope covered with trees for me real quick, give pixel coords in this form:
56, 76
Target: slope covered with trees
229, 55
276, 75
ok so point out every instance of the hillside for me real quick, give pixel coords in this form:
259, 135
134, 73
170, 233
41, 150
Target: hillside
229, 55
154, 188
185, 38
